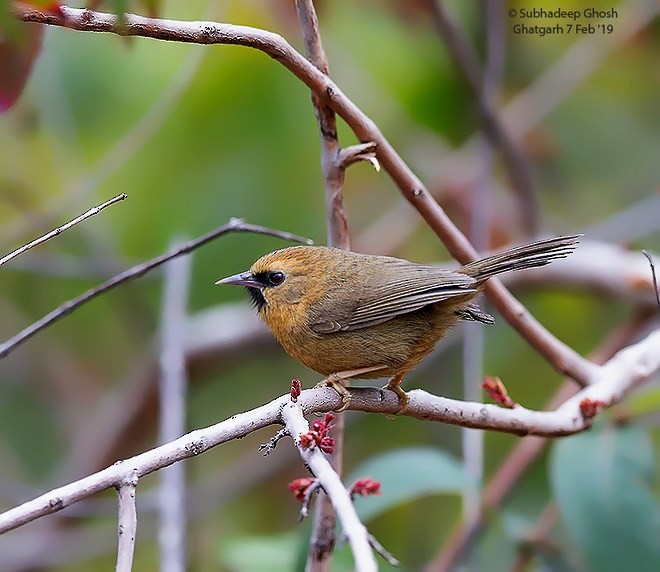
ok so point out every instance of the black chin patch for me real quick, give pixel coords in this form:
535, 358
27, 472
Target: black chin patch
257, 298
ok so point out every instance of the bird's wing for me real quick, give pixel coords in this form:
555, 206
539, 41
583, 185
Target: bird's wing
391, 288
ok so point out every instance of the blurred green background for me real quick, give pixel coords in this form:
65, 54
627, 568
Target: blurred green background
198, 134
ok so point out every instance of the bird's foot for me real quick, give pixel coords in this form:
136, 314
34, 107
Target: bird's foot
393, 385
338, 382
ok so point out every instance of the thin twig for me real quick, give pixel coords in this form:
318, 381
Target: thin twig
378, 547
562, 357
172, 394
655, 278
127, 525
60, 229
234, 225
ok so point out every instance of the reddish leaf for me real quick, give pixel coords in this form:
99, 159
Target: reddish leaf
17, 56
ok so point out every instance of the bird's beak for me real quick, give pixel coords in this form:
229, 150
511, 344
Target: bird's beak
242, 279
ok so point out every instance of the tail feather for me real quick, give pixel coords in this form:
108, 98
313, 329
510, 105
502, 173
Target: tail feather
528, 256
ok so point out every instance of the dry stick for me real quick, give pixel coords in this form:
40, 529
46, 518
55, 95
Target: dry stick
522, 455
234, 225
625, 371
172, 397
563, 358
322, 540
515, 162
60, 229
127, 525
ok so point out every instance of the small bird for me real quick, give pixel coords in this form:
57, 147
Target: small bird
349, 315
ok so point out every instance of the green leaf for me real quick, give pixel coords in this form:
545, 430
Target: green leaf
406, 475
276, 553
601, 481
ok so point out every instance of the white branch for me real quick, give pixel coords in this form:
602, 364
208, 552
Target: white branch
356, 532
127, 525
609, 384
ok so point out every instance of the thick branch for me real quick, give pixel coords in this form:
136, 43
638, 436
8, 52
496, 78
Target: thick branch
627, 369
561, 356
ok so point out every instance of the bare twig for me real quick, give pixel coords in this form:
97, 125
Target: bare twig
60, 229
333, 169
356, 532
378, 547
655, 278
127, 526
309, 495
173, 386
234, 225
612, 381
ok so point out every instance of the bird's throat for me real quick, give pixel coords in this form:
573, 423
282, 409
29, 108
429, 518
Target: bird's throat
257, 298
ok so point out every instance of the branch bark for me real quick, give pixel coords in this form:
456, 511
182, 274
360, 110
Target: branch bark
626, 370
127, 525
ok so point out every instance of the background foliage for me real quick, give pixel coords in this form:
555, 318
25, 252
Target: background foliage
196, 135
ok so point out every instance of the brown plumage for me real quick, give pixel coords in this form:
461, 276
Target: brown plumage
338, 312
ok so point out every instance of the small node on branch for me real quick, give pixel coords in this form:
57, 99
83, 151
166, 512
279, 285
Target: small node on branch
589, 408
269, 446
495, 389
355, 153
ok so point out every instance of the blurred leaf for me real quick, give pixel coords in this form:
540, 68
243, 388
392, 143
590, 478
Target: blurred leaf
18, 53
153, 7
274, 552
643, 403
406, 475
601, 480
119, 8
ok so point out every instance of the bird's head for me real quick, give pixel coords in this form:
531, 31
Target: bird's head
284, 277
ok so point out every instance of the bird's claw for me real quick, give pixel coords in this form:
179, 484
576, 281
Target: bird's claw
401, 395
335, 382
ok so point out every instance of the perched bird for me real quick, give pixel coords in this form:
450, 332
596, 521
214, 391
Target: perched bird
350, 315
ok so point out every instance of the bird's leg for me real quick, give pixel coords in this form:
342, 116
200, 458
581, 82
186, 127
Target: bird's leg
337, 382
394, 384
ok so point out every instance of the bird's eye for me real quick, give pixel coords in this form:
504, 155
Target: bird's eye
275, 278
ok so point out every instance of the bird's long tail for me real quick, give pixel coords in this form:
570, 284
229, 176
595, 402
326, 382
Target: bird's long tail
528, 256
